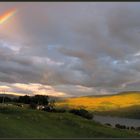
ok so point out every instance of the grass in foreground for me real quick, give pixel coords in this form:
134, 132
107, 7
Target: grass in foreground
16, 122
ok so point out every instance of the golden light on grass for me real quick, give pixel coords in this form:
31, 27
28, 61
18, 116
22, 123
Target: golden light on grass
102, 103
5, 16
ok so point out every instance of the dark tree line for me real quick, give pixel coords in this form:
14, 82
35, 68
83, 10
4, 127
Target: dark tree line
37, 99
5, 99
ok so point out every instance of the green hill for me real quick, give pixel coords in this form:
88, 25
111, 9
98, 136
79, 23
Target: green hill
18, 122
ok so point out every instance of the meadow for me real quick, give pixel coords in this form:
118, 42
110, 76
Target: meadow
17, 122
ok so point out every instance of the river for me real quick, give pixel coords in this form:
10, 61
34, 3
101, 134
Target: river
117, 120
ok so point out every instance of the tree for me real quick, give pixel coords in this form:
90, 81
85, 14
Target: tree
40, 100
24, 99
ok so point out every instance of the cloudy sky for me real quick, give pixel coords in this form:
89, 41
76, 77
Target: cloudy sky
69, 48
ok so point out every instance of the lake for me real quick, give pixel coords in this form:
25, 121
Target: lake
117, 120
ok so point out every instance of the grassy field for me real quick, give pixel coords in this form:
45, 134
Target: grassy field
26, 123
102, 103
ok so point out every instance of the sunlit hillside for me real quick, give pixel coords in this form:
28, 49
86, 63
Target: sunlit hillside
102, 103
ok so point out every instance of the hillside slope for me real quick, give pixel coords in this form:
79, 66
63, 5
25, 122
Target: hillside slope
127, 112
16, 122
102, 103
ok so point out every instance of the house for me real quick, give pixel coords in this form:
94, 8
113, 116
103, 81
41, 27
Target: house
40, 107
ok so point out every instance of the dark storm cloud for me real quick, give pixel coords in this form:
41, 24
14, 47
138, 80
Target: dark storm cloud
77, 48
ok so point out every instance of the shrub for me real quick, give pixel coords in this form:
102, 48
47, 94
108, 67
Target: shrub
132, 128
120, 126
33, 106
82, 112
123, 127
138, 128
108, 124
49, 109
127, 128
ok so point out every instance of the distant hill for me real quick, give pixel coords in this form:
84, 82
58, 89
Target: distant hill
104, 102
16, 96
115, 94
9, 95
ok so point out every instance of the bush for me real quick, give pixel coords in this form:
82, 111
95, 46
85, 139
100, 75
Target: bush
49, 109
82, 112
138, 128
108, 124
132, 128
120, 126
33, 106
127, 127
123, 127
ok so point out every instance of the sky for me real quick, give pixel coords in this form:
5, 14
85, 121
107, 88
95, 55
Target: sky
69, 48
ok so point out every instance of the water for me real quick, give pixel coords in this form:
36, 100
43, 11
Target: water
117, 120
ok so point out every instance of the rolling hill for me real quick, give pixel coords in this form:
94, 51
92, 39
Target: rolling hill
102, 103
16, 122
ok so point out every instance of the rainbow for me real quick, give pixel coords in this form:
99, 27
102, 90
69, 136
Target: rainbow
4, 17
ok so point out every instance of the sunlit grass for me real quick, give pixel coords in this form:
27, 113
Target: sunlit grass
103, 102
